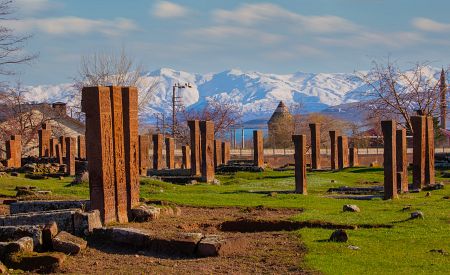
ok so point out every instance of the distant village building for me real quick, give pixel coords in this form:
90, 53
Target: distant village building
281, 127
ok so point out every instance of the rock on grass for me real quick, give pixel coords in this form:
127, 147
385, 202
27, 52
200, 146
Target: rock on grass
339, 235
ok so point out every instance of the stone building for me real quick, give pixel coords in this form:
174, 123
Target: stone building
281, 127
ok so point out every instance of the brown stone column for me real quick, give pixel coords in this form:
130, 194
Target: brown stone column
258, 148
131, 132
144, 148
342, 152
353, 155
186, 159
81, 140
157, 152
53, 143
44, 140
225, 152
62, 141
207, 140
334, 155
194, 126
429, 151
217, 152
11, 153
315, 145
170, 153
59, 156
96, 103
119, 156
419, 139
70, 156
300, 163
389, 128
402, 160
17, 150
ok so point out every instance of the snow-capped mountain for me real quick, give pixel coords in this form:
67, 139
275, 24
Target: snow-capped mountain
256, 93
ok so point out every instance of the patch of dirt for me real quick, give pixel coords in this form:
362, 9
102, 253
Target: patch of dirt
266, 252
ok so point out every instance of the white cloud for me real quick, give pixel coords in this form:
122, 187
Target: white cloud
230, 32
73, 25
426, 24
364, 39
253, 14
166, 9
34, 6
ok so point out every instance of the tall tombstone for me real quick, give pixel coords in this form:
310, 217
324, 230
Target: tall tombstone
429, 151
62, 141
334, 155
353, 156
70, 156
194, 127
315, 145
225, 152
389, 128
17, 150
207, 141
217, 152
131, 132
342, 152
158, 163
120, 171
59, 156
10, 153
300, 163
144, 148
402, 160
170, 153
258, 148
44, 140
419, 139
81, 140
53, 143
96, 103
186, 157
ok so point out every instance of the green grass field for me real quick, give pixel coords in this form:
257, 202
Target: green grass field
403, 249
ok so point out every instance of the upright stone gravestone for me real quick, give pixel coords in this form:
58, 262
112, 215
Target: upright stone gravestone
402, 160
59, 156
96, 103
17, 150
170, 153
419, 139
353, 155
225, 152
217, 152
70, 156
131, 132
258, 148
62, 141
390, 164
53, 143
157, 152
207, 141
81, 140
315, 145
342, 152
429, 151
144, 148
194, 127
186, 157
44, 140
118, 132
300, 163
334, 154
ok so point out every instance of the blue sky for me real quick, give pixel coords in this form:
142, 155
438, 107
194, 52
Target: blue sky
215, 35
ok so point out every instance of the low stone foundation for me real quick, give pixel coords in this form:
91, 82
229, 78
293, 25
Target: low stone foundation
39, 206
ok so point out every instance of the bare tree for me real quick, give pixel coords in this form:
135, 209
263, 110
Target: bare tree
117, 69
11, 45
398, 94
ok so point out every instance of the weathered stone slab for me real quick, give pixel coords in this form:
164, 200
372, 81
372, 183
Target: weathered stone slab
70, 155
170, 152
217, 152
10, 233
62, 141
158, 162
44, 140
429, 151
86, 222
402, 160
59, 155
389, 128
419, 140
81, 140
145, 213
37, 262
49, 231
207, 149
216, 245
67, 243
225, 152
53, 143
186, 157
96, 103
258, 148
40, 206
334, 154
315, 145
353, 156
194, 126
342, 152
144, 149
300, 163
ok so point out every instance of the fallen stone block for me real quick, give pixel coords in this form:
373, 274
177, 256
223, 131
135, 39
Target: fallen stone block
339, 235
86, 222
38, 262
22, 245
144, 213
185, 243
12, 233
350, 208
40, 206
68, 243
48, 233
216, 245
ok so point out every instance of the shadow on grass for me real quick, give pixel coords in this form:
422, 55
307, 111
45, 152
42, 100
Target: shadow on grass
260, 192
366, 170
